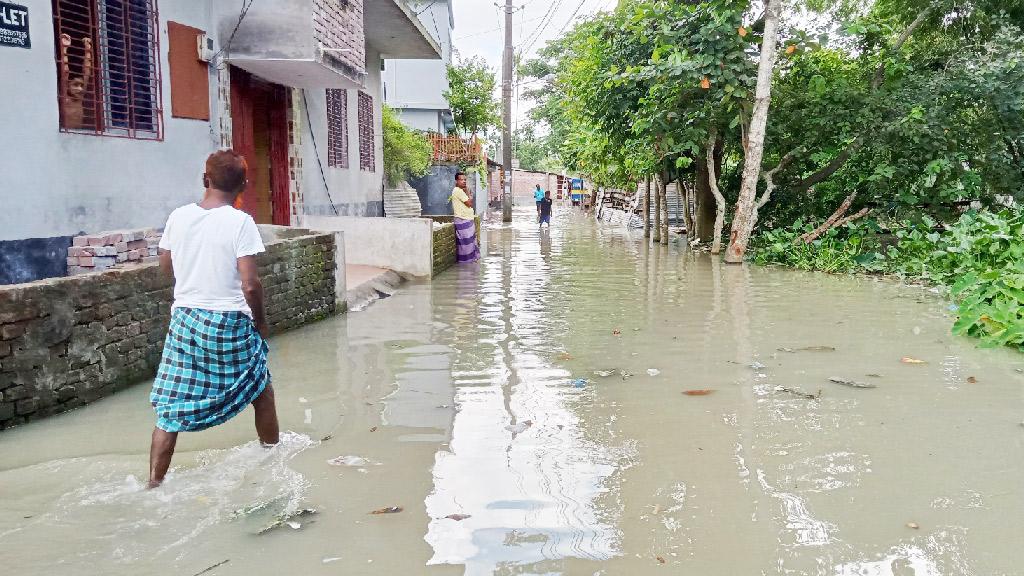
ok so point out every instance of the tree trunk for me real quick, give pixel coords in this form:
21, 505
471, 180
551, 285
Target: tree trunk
687, 216
647, 207
657, 209
709, 152
743, 221
834, 219
704, 206
664, 209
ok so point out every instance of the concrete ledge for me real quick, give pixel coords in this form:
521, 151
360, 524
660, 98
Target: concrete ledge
369, 284
404, 245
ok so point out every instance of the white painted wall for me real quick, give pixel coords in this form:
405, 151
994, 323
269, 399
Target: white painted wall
60, 184
417, 87
353, 192
404, 245
419, 119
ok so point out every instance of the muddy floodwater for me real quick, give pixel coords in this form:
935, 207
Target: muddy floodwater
530, 416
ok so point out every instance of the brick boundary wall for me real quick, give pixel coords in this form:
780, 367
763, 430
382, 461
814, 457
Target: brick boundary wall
444, 254
445, 249
66, 342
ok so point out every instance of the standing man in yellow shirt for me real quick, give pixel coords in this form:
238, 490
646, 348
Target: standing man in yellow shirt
465, 222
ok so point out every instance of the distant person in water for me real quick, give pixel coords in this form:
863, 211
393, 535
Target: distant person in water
545, 210
538, 196
465, 221
215, 357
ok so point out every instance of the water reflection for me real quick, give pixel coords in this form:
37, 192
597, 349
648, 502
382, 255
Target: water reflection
518, 464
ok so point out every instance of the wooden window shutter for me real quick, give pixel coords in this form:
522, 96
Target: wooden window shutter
190, 76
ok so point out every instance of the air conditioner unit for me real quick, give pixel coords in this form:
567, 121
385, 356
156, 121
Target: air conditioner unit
204, 48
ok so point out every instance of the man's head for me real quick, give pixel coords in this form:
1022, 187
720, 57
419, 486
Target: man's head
226, 171
460, 180
547, 194
538, 186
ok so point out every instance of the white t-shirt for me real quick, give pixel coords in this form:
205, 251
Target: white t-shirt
205, 246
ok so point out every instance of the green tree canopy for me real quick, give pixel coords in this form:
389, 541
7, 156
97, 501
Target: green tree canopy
471, 96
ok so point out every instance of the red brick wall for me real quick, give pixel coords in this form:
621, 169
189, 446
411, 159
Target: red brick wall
339, 24
523, 183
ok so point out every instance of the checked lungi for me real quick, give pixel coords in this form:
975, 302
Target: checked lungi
214, 365
465, 241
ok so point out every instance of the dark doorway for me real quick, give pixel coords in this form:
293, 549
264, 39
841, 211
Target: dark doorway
260, 133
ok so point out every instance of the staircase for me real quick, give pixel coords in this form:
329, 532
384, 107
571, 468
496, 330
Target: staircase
402, 202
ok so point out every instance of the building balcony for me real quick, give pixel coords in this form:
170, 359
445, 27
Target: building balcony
319, 43
456, 149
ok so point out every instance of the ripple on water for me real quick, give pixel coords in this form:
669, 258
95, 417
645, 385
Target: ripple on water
248, 485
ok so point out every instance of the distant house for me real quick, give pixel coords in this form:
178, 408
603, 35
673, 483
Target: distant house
415, 88
114, 105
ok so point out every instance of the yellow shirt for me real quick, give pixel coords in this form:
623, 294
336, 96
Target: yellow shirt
459, 207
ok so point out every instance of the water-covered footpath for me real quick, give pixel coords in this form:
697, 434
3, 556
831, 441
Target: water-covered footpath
577, 404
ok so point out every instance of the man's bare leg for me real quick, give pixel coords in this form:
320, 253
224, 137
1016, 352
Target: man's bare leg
160, 453
266, 417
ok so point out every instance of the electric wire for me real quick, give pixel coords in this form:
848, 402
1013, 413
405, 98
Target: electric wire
316, 151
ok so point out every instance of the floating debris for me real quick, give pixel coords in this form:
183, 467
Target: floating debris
519, 427
851, 383
659, 559
626, 375
913, 525
616, 332
374, 429
353, 461
909, 360
288, 520
757, 366
604, 373
326, 438
653, 371
808, 349
797, 392
972, 380
565, 356
458, 517
388, 510
697, 392
873, 375
221, 563
579, 383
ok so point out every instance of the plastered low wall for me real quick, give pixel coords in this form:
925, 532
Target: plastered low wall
400, 244
65, 342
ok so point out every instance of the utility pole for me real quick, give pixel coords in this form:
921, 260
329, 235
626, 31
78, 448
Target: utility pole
506, 116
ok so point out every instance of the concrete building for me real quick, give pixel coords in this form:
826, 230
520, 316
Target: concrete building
114, 105
415, 88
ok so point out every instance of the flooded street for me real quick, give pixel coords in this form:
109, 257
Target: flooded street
529, 417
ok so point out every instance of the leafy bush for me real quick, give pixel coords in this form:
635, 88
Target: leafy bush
833, 252
406, 152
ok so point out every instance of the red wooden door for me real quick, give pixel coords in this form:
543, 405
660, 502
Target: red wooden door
279, 169
250, 97
242, 130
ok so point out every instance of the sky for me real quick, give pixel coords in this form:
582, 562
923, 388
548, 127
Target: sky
479, 28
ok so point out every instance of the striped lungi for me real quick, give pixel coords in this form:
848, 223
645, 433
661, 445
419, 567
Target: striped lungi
214, 365
465, 241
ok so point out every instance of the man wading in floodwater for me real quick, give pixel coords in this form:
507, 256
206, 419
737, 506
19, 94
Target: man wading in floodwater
215, 357
465, 222
538, 197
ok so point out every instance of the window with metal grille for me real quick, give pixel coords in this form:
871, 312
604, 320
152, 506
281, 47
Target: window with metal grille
108, 67
337, 128
367, 160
